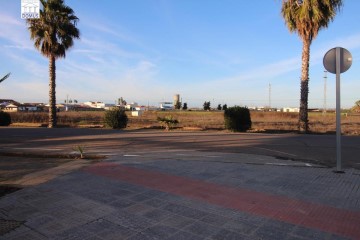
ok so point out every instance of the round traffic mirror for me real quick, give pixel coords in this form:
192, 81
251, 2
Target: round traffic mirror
329, 60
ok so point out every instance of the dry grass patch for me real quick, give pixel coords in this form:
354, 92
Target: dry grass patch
201, 120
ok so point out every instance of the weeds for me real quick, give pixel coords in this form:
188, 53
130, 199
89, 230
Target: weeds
168, 122
81, 150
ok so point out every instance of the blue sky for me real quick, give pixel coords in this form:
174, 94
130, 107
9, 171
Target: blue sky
146, 51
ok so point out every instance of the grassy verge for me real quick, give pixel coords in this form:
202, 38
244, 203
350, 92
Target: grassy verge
200, 120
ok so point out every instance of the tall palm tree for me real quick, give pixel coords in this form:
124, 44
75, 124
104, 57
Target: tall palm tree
5, 77
53, 33
307, 18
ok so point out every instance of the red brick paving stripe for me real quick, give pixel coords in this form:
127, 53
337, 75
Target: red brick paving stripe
326, 218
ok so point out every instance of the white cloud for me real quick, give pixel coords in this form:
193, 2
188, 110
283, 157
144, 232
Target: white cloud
14, 31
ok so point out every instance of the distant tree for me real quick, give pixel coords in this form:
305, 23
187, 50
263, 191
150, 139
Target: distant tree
185, 107
121, 102
307, 18
116, 118
224, 107
206, 106
356, 107
357, 103
219, 107
53, 34
5, 77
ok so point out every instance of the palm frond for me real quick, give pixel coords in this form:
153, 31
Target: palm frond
5, 77
53, 33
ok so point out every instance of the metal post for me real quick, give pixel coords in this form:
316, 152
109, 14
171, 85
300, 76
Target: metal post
325, 78
338, 112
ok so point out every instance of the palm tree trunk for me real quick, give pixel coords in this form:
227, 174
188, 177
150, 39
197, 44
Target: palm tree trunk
52, 93
304, 88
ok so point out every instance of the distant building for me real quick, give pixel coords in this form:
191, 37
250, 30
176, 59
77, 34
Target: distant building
137, 113
288, 109
95, 104
10, 108
166, 105
140, 108
131, 106
17, 107
5, 102
109, 106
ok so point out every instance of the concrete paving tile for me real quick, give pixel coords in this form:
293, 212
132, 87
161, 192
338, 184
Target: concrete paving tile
282, 226
182, 235
230, 235
139, 208
169, 197
25, 235
17, 233
80, 202
39, 220
53, 228
122, 193
141, 197
242, 227
99, 212
117, 233
76, 234
155, 193
133, 188
215, 220
270, 233
185, 211
157, 214
99, 197
202, 229
155, 232
133, 222
336, 237
156, 202
21, 212
308, 233
178, 221
122, 203
108, 230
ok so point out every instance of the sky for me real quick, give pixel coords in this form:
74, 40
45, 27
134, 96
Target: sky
146, 51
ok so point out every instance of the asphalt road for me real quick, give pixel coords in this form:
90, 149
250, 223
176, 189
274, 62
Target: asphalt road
307, 148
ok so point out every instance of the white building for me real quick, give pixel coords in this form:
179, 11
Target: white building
289, 109
166, 105
131, 106
95, 104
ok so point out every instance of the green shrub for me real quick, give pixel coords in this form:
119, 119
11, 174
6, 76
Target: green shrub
116, 118
237, 119
168, 122
5, 119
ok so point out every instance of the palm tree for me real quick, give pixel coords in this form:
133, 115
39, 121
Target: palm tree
5, 77
307, 18
53, 33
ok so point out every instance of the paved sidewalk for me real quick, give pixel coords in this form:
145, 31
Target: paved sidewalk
189, 195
